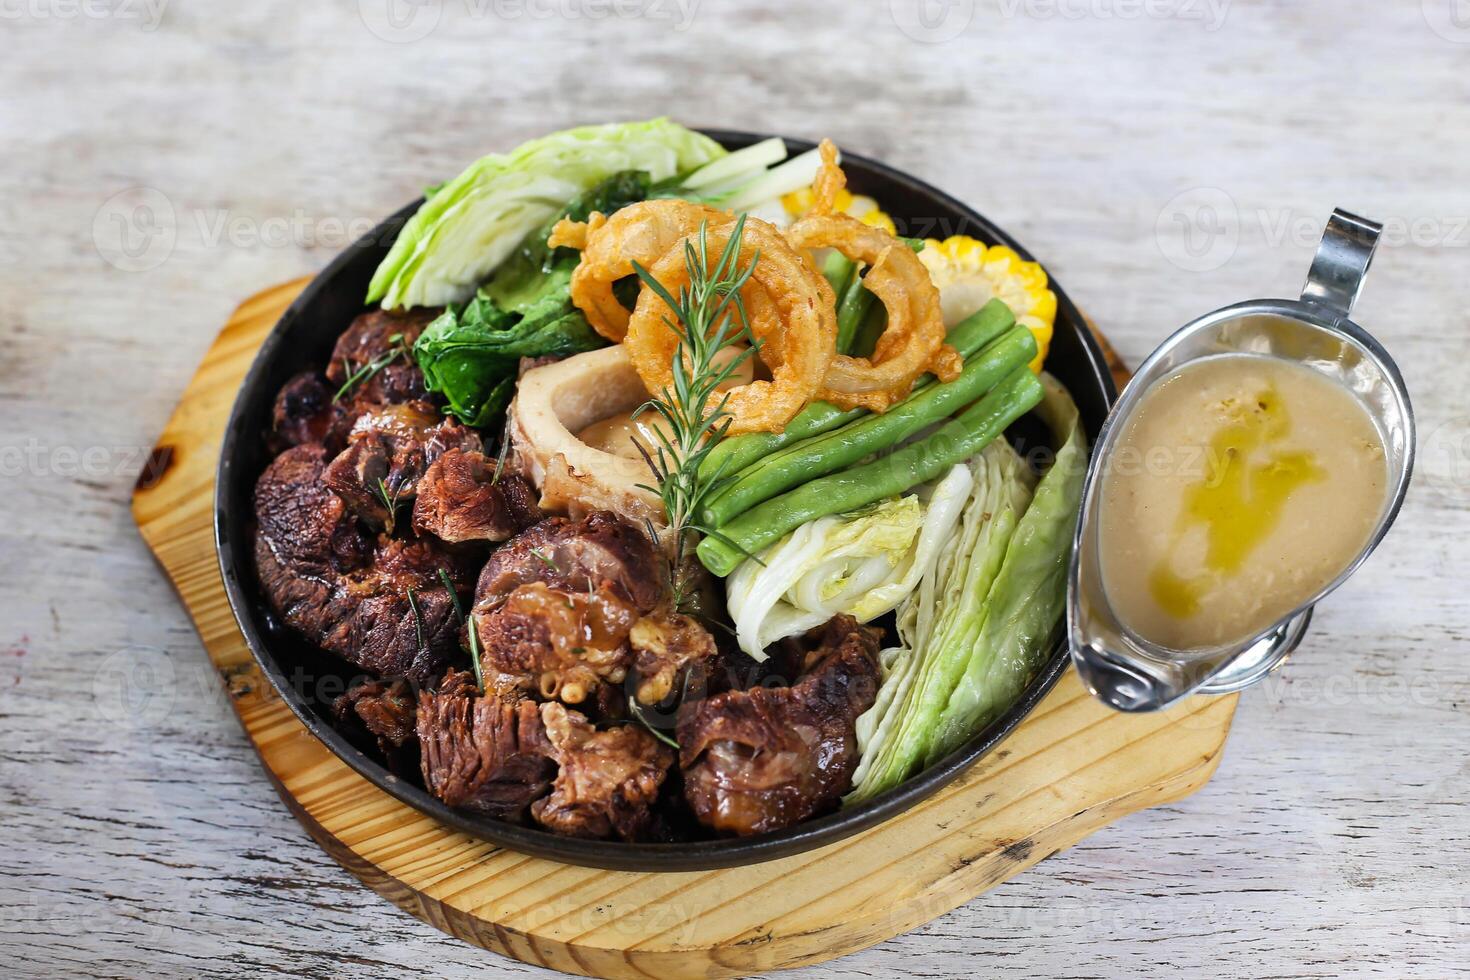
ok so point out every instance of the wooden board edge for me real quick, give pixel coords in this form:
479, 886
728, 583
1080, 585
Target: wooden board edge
770, 952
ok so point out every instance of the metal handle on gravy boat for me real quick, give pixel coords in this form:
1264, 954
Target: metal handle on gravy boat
1128, 672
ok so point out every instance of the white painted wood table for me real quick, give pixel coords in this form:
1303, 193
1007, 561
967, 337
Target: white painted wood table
162, 161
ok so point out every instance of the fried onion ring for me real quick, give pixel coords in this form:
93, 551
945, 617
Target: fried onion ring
913, 341
639, 233
830, 180
791, 312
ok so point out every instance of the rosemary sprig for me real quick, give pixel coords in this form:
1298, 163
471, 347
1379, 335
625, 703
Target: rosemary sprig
418, 619
500, 460
474, 650
546, 560
709, 318
365, 372
636, 710
453, 595
390, 501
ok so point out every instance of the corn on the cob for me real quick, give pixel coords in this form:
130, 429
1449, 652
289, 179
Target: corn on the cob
969, 274
865, 209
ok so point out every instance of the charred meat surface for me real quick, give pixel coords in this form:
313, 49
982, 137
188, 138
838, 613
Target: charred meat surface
385, 709
607, 781
483, 752
388, 451
305, 526
306, 412
375, 354
763, 759
599, 550
368, 369
462, 498
380, 604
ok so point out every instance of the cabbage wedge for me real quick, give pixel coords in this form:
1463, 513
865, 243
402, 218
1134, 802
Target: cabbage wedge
978, 627
470, 225
862, 563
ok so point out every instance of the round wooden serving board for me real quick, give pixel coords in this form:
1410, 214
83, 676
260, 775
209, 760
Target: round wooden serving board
1070, 768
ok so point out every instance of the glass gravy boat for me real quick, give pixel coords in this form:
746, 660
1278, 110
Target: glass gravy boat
1131, 673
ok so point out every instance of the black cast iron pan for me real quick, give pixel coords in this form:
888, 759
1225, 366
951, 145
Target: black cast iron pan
309, 679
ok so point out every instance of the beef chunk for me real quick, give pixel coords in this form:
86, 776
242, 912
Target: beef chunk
607, 780
308, 409
482, 752
306, 412
767, 758
304, 525
558, 643
388, 450
384, 708
600, 550
461, 498
376, 348
381, 605
665, 646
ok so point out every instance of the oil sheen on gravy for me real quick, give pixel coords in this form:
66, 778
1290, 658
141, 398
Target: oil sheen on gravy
1240, 486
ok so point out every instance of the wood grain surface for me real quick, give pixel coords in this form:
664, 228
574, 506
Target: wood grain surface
230, 146
1071, 768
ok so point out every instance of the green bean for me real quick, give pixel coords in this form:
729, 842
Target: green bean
975, 331
853, 305
958, 440
860, 320
840, 271
865, 337
843, 447
737, 452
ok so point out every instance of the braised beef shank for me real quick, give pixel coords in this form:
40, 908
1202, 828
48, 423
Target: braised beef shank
379, 603
767, 758
462, 498
607, 781
483, 752
601, 549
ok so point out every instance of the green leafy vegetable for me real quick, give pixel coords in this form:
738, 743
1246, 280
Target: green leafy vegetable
471, 355
473, 223
1025, 603
937, 626
975, 632
535, 270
